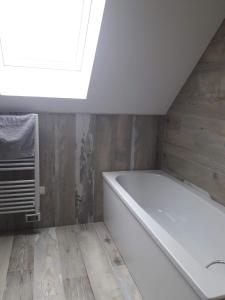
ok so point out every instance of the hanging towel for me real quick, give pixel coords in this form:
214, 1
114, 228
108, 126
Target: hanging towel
17, 136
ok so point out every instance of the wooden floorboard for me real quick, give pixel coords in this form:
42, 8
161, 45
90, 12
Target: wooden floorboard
119, 269
74, 275
79, 262
22, 255
19, 280
47, 271
5, 250
104, 283
19, 285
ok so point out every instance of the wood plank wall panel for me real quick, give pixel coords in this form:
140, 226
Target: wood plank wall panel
121, 142
85, 169
103, 154
74, 151
113, 151
47, 168
57, 165
65, 169
144, 141
193, 139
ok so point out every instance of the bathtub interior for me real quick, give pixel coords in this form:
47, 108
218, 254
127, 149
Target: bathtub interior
191, 220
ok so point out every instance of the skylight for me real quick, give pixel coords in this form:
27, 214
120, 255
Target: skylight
48, 46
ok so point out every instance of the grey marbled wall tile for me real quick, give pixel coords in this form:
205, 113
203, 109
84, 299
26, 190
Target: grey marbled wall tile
85, 169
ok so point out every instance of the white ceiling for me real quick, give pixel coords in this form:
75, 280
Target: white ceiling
147, 49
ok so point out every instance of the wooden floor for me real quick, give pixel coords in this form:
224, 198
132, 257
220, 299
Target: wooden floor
64, 263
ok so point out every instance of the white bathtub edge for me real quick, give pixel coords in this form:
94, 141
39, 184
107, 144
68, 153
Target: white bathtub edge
205, 285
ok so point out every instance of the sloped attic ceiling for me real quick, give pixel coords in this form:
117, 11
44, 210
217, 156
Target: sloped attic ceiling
146, 50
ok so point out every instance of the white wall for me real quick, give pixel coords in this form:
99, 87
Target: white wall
147, 48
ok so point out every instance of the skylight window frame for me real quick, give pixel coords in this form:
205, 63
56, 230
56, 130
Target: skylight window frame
56, 83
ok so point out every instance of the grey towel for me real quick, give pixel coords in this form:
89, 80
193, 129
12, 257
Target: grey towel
17, 136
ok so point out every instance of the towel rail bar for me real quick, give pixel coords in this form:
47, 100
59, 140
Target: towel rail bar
15, 204
6, 187
7, 200
15, 207
17, 164
17, 169
17, 159
17, 194
17, 181
19, 211
17, 190
22, 195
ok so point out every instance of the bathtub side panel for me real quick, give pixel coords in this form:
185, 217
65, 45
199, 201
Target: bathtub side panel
154, 274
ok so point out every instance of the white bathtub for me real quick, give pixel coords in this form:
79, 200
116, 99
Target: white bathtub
167, 233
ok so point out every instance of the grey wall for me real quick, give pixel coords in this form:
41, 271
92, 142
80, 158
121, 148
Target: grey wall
74, 150
194, 129
147, 48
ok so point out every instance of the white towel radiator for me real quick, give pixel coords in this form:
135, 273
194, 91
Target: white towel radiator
22, 195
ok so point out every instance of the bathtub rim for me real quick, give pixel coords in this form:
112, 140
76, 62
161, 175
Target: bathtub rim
205, 284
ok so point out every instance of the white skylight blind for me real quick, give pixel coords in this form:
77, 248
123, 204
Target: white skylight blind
48, 46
